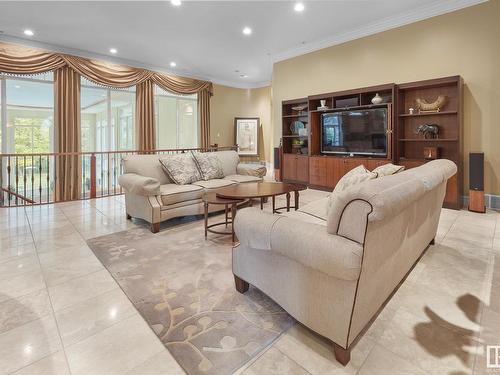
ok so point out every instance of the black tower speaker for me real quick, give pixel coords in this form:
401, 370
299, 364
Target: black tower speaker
476, 182
277, 161
476, 171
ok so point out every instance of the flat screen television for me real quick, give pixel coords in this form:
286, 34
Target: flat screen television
361, 131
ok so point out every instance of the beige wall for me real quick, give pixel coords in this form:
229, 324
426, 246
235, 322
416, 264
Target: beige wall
465, 43
228, 103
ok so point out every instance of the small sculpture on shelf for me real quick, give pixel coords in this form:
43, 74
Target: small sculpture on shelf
429, 131
377, 99
431, 153
424, 107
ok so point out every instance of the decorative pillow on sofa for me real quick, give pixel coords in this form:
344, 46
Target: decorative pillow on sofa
388, 169
181, 168
353, 177
208, 165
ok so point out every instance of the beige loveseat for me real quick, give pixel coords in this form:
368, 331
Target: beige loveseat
332, 268
151, 195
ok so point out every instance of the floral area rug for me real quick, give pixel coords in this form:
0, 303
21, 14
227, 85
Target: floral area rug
183, 287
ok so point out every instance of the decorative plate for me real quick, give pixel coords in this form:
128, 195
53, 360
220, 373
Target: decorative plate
295, 126
299, 108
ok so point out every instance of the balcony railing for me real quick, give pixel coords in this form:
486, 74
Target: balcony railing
31, 179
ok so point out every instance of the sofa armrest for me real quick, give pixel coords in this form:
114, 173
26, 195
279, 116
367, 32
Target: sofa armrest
253, 228
306, 243
140, 185
248, 169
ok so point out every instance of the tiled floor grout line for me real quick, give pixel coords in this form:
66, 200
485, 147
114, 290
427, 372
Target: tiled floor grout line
50, 299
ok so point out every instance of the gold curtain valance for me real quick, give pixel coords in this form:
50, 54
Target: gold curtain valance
15, 59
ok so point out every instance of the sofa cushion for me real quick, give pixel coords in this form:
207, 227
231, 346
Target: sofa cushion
181, 168
388, 169
228, 160
209, 165
242, 179
214, 184
251, 169
172, 193
145, 165
304, 217
317, 209
352, 178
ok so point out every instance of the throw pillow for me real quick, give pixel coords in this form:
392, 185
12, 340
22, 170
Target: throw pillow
181, 168
388, 169
353, 177
208, 165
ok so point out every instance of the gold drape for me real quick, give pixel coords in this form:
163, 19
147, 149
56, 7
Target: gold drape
204, 116
67, 131
23, 60
180, 85
144, 116
106, 74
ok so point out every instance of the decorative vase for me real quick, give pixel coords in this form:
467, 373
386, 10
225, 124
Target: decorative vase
377, 99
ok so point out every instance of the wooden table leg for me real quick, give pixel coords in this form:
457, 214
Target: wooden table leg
226, 209
206, 219
296, 193
233, 216
261, 203
287, 202
274, 204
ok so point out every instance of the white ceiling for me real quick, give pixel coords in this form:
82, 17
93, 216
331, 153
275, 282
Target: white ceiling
204, 38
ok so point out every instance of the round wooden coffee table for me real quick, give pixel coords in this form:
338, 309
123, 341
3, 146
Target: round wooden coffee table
212, 198
263, 190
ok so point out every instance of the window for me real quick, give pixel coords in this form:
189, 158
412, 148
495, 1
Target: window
27, 126
27, 114
176, 120
107, 118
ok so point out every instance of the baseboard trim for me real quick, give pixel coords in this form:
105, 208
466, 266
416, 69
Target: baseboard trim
491, 201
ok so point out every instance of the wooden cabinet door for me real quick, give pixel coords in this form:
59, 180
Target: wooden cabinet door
334, 171
302, 169
452, 199
317, 170
289, 167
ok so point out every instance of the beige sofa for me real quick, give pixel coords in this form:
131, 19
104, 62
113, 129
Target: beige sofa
332, 268
150, 195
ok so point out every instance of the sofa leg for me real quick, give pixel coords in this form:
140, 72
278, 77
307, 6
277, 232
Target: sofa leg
241, 285
433, 241
343, 356
129, 217
155, 227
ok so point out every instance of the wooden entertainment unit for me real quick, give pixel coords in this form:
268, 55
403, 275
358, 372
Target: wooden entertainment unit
303, 161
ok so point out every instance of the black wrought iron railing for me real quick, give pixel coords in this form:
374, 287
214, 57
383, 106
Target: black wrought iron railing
29, 179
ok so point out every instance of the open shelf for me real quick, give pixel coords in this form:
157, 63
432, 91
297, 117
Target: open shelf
428, 114
295, 136
427, 140
296, 116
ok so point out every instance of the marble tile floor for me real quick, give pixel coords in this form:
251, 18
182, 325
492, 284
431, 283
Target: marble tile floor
62, 313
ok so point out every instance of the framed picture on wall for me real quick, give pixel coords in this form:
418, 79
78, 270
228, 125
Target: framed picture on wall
247, 135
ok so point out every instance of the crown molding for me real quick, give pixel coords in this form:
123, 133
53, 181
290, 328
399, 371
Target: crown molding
402, 19
117, 60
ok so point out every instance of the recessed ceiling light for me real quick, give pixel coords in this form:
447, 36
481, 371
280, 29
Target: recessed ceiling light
113, 50
243, 76
173, 64
247, 30
17, 86
176, 3
29, 32
299, 7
